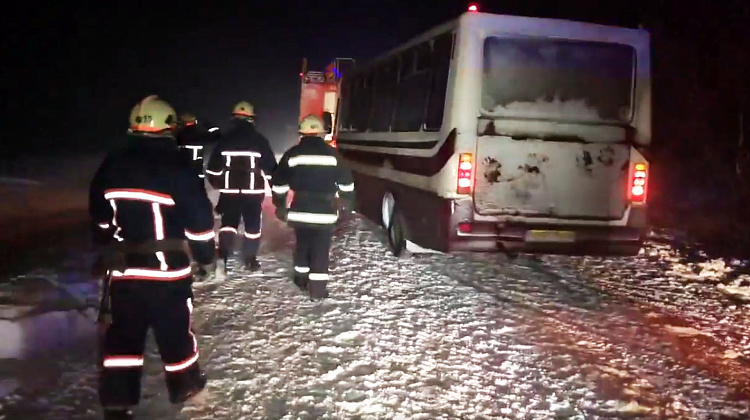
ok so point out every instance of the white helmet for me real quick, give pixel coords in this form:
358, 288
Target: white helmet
244, 109
152, 116
311, 125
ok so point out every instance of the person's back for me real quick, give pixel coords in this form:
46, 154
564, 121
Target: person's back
149, 180
145, 202
238, 168
241, 160
315, 174
313, 171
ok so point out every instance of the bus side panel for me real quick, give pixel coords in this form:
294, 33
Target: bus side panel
369, 192
427, 216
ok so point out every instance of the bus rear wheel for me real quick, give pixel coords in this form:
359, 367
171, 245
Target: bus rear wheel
396, 237
393, 222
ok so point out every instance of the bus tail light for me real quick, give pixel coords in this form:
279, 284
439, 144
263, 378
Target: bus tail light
465, 166
638, 184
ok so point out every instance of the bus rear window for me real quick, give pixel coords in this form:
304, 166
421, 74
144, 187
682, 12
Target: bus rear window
558, 80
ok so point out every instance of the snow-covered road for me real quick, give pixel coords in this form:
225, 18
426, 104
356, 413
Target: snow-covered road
441, 337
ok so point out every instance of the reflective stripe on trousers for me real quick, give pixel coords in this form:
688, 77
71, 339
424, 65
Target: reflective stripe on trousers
236, 208
137, 306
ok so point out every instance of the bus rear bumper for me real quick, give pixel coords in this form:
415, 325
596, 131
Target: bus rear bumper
558, 238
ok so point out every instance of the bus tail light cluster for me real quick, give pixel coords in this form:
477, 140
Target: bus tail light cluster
465, 166
638, 184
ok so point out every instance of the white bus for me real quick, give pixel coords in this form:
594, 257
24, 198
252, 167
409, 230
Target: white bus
504, 133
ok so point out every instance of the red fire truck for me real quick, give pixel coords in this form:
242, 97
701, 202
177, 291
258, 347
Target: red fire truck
319, 93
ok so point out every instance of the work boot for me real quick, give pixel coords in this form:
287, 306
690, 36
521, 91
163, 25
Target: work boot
221, 269
117, 414
317, 289
252, 263
186, 387
300, 280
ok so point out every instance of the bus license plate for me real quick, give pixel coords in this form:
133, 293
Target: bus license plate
550, 236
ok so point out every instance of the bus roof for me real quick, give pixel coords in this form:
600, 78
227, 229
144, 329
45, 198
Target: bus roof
521, 25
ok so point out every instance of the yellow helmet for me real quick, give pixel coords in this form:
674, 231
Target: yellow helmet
152, 115
311, 125
188, 119
244, 109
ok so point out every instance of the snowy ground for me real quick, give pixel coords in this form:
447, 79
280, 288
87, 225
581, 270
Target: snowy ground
424, 337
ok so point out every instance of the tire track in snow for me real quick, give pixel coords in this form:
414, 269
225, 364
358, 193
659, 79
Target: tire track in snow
653, 344
417, 352
710, 339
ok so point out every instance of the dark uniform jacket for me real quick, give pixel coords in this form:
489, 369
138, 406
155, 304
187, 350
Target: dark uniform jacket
314, 172
241, 161
144, 196
191, 140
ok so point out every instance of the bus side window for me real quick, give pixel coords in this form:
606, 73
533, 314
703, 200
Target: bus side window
412, 91
385, 84
368, 99
442, 48
360, 107
344, 111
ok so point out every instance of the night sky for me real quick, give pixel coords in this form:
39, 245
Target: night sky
73, 71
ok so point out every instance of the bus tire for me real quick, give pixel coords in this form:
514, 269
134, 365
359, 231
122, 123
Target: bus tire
386, 209
396, 235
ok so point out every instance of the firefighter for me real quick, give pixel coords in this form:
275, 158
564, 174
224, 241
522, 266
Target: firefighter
313, 171
190, 140
145, 204
238, 167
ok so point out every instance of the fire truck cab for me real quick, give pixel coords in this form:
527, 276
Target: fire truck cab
319, 93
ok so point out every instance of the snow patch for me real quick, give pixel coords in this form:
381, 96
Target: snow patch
542, 108
738, 289
686, 331
12, 344
331, 350
632, 407
416, 249
348, 337
708, 270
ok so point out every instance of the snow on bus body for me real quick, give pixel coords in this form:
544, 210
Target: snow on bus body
536, 147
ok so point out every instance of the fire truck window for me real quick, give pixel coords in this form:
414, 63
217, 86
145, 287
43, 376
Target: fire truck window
441, 60
384, 95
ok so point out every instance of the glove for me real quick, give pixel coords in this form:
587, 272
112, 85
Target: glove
281, 213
